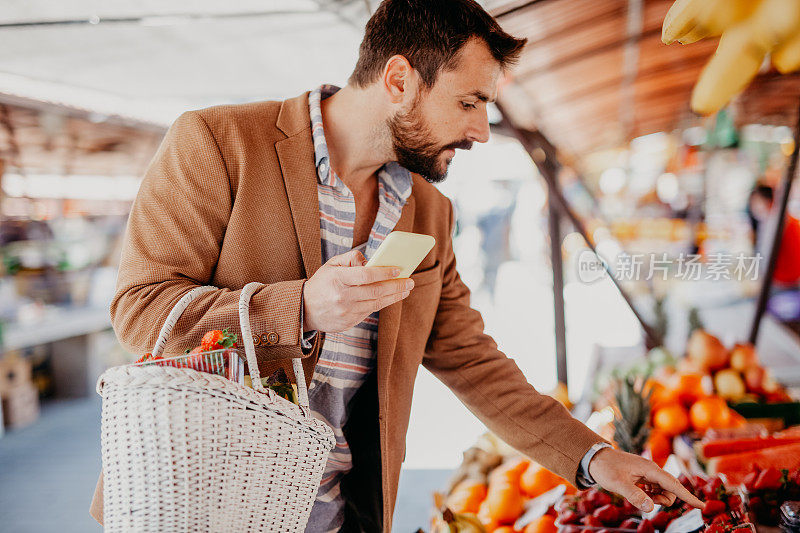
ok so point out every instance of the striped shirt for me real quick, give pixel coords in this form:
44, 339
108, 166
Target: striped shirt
346, 358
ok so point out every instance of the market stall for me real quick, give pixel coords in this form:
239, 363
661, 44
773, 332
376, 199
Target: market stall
654, 178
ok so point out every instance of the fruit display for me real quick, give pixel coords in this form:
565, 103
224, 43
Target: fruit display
749, 29
595, 509
737, 374
724, 507
679, 412
496, 486
768, 489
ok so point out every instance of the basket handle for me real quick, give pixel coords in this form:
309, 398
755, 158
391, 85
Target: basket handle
175, 314
250, 350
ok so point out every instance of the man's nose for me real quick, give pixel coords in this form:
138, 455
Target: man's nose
479, 131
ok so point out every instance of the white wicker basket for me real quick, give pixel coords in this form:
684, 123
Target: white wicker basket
189, 451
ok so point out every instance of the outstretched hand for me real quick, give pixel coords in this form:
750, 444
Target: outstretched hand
638, 480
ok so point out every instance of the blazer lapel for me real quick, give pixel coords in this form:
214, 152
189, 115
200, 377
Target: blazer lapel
296, 157
389, 317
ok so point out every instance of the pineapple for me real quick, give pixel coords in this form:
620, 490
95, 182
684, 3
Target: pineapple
661, 319
694, 320
632, 417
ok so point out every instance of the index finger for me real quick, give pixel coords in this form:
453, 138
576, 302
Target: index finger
669, 483
366, 275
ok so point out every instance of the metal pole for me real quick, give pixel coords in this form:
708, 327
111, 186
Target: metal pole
777, 237
554, 224
543, 154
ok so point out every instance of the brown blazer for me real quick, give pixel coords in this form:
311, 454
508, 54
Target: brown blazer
231, 197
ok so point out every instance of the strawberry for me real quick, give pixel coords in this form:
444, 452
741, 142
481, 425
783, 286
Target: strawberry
601, 498
211, 340
630, 523
607, 514
628, 509
217, 340
591, 521
197, 349
713, 508
570, 517
661, 520
770, 478
645, 527
756, 504
566, 504
144, 358
586, 506
734, 501
750, 481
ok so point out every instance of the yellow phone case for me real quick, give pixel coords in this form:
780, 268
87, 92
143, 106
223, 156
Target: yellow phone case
404, 250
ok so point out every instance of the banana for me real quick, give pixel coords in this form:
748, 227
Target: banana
451, 522
688, 21
741, 52
775, 21
786, 57
730, 69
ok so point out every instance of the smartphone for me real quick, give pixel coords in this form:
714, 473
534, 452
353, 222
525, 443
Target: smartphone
403, 250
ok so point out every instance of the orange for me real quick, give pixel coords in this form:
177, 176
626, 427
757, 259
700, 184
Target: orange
537, 480
660, 394
544, 524
466, 496
505, 529
504, 500
660, 446
736, 420
689, 388
671, 419
707, 413
510, 470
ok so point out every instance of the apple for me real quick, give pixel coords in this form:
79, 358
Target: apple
729, 384
754, 378
707, 350
743, 356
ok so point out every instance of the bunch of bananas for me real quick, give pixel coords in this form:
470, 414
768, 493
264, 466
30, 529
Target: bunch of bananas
451, 522
749, 29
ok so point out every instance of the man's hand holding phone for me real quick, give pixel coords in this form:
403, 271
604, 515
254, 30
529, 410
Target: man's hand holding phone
343, 292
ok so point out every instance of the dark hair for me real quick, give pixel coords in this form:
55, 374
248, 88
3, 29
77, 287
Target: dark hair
429, 33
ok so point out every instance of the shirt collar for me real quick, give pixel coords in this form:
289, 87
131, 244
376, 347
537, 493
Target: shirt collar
392, 174
317, 133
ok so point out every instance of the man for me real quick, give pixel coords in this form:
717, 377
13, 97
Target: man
296, 195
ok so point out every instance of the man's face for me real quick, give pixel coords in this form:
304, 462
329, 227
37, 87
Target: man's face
450, 115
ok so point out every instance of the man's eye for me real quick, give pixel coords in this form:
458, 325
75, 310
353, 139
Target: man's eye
466, 105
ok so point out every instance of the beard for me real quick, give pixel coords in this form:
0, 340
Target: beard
415, 148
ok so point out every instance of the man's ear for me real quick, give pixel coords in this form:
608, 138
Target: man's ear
397, 79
